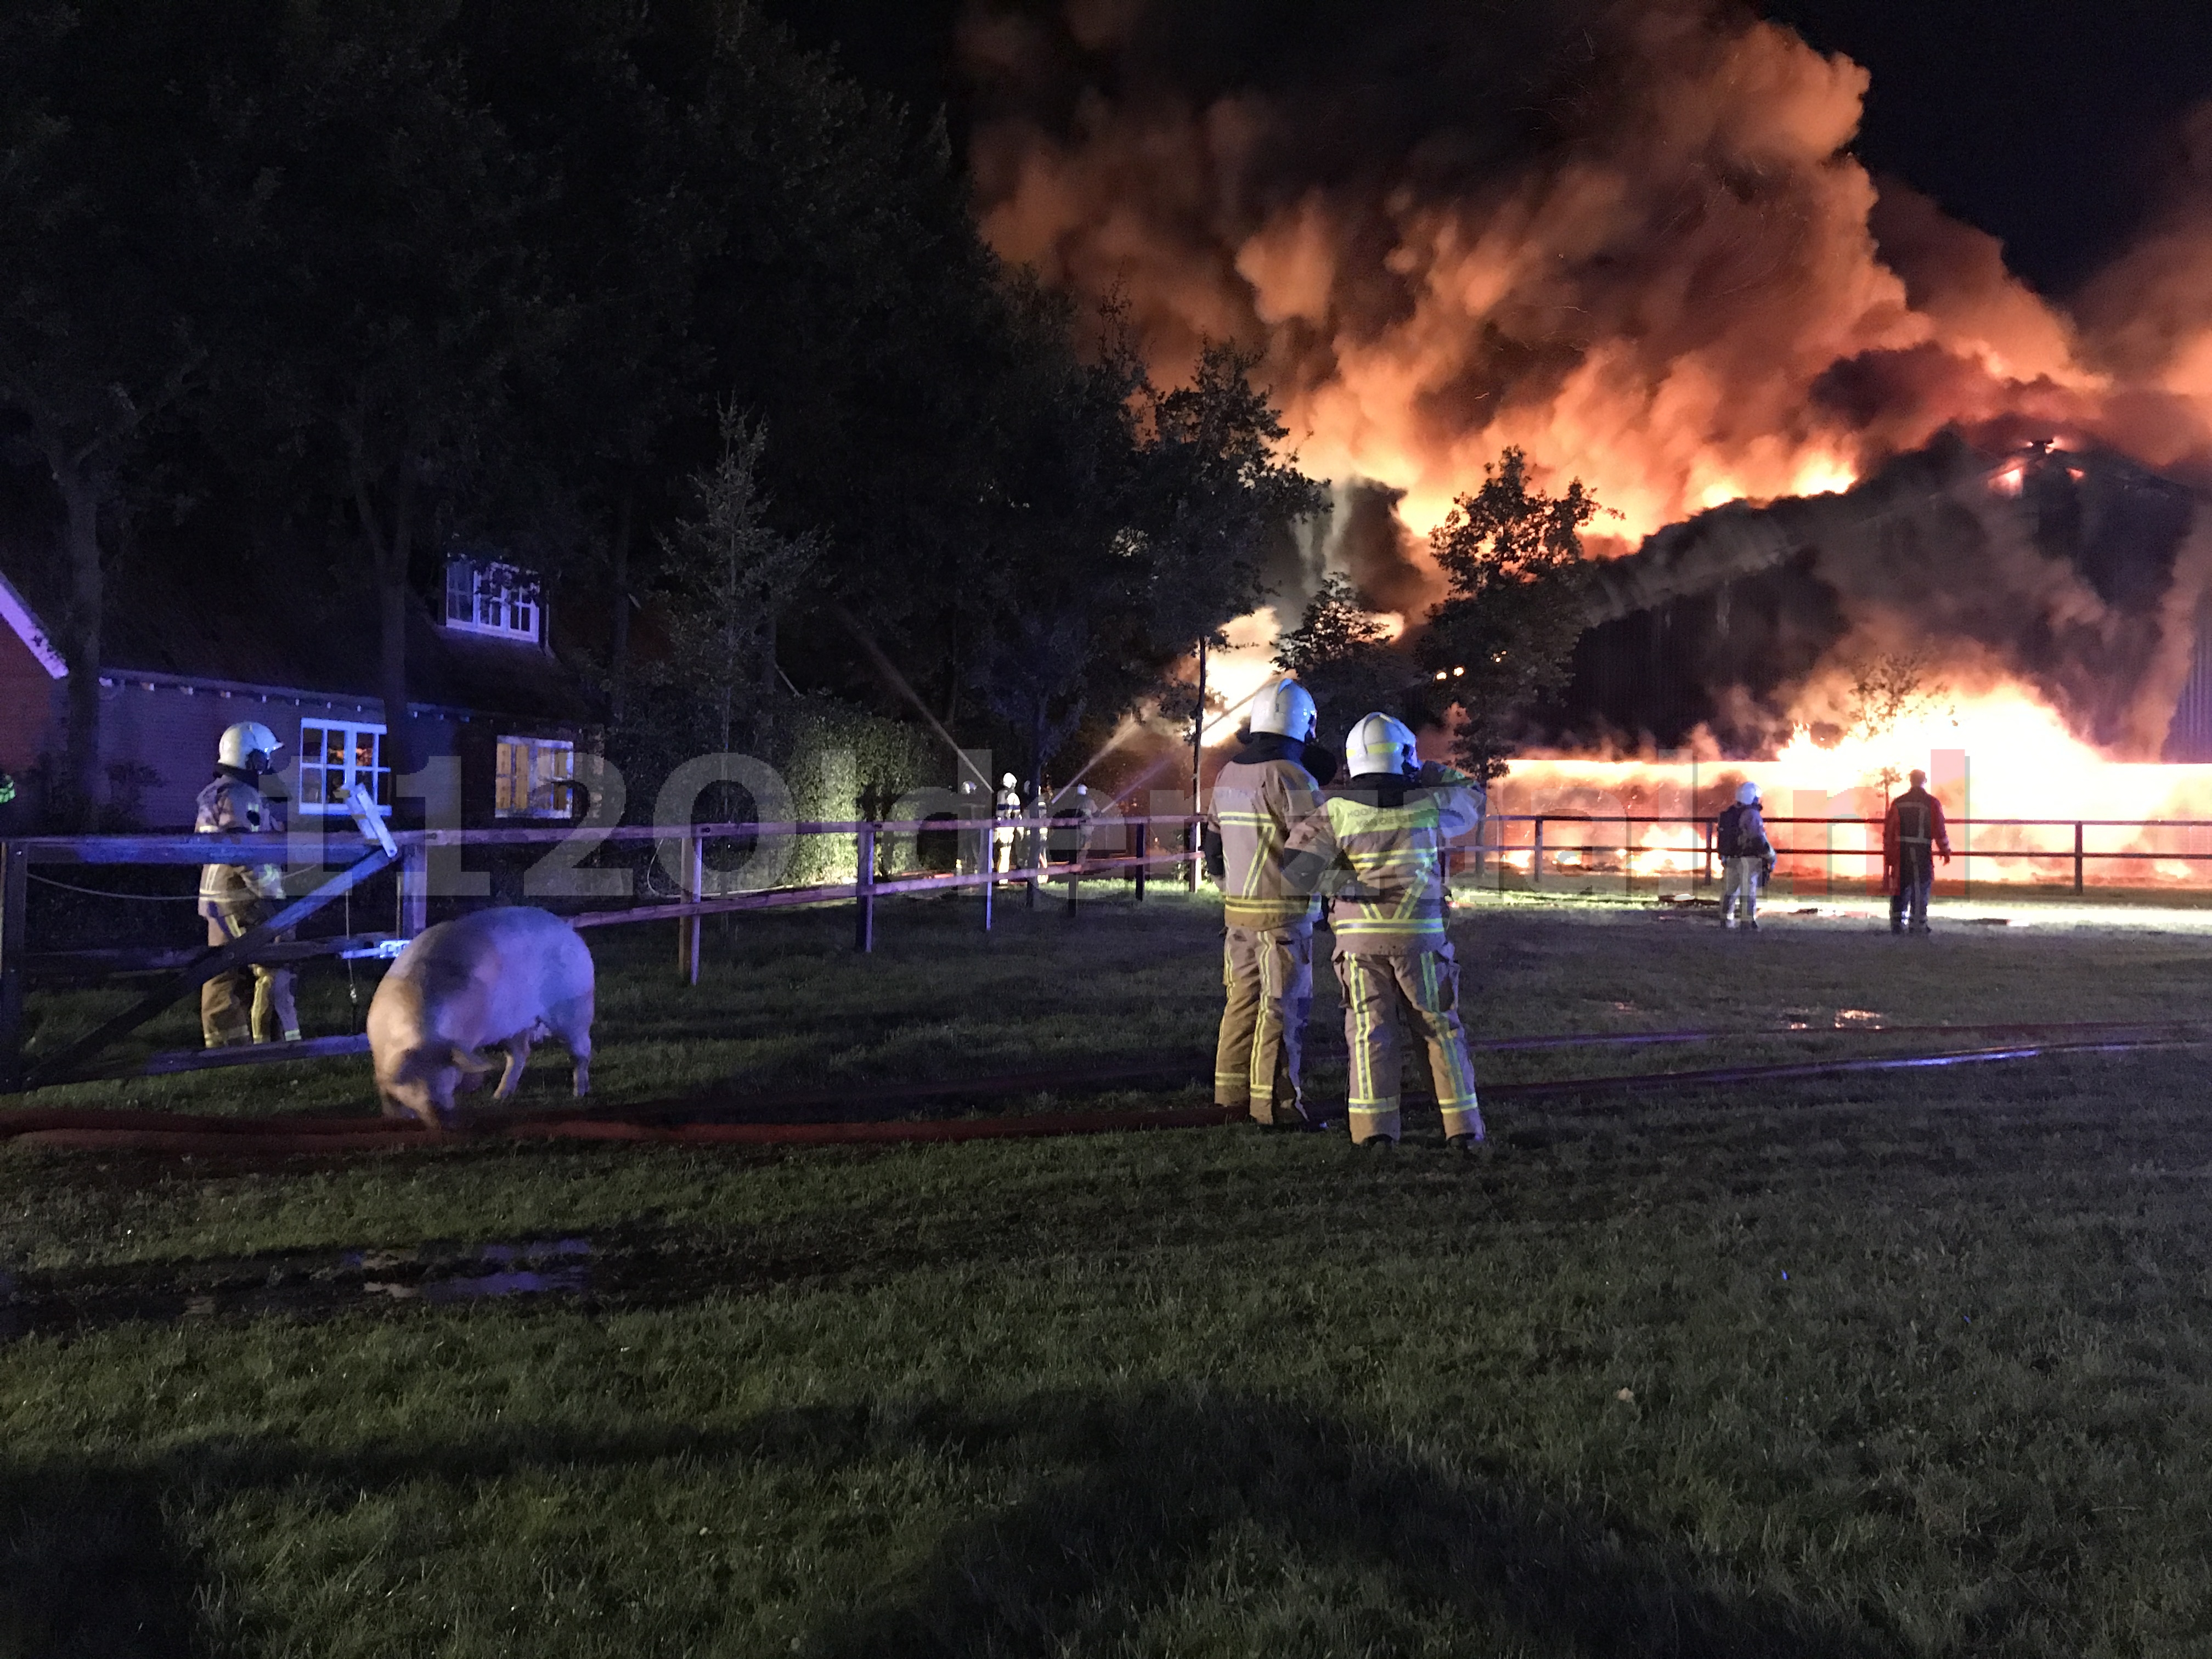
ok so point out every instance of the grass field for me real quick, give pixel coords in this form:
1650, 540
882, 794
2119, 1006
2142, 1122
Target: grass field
1907, 1364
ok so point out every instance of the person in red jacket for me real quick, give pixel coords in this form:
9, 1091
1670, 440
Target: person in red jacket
1912, 836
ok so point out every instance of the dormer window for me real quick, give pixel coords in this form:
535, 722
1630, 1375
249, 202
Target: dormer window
484, 596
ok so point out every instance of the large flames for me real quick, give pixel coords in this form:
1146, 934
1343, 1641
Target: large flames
2002, 757
1632, 241
1685, 290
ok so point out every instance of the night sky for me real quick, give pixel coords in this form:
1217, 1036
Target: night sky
2054, 124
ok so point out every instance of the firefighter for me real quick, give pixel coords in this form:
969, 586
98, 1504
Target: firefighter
1380, 838
1747, 858
1266, 958
1073, 814
1008, 805
1912, 834
967, 857
249, 1004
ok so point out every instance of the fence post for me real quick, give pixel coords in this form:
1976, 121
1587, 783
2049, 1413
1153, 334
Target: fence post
687, 928
1038, 835
991, 865
1536, 856
2077, 858
414, 887
1627, 856
14, 889
1144, 852
864, 895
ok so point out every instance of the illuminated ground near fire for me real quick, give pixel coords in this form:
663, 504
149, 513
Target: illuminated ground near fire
1874, 1365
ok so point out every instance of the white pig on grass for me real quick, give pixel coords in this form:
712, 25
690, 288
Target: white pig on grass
502, 977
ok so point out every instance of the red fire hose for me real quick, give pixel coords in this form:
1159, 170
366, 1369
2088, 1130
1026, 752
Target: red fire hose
101, 1130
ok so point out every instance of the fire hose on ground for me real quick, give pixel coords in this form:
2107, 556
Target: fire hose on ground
705, 1121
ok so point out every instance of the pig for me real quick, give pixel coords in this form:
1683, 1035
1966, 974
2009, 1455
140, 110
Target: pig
503, 977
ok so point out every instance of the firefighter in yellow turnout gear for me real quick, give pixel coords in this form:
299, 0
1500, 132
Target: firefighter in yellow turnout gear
1267, 954
252, 1004
1383, 835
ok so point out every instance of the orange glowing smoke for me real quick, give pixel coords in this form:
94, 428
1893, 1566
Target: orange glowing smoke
1691, 295
1641, 251
1680, 300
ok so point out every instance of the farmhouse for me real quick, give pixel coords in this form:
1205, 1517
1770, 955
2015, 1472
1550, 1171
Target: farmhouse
490, 699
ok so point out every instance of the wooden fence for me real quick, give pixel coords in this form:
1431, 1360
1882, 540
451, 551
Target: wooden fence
1065, 850
1577, 844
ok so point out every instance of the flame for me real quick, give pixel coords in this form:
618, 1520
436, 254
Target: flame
1662, 307
1693, 294
1998, 753
1237, 673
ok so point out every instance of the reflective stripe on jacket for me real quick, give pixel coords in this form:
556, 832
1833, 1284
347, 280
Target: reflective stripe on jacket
1915, 819
1393, 899
1258, 799
232, 804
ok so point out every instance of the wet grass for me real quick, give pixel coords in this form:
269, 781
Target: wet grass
1880, 1365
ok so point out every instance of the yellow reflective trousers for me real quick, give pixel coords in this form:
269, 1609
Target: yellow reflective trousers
1426, 984
252, 1004
1268, 974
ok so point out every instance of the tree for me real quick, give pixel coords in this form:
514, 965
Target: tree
1513, 556
1887, 690
1214, 488
1890, 688
731, 577
402, 306
1131, 522
623, 222
1344, 658
122, 214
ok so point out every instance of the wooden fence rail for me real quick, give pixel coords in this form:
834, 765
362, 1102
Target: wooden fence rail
1037, 841
1067, 851
2073, 855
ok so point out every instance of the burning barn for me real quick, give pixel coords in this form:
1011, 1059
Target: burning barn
2075, 578
2028, 625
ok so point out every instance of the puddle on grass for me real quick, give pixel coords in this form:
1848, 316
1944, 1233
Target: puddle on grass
627, 1268
531, 1269
1844, 1019
298, 1283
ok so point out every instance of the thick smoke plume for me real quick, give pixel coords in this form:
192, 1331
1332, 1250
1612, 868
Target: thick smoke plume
1630, 239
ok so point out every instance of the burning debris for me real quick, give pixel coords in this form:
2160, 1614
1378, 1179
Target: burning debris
2075, 578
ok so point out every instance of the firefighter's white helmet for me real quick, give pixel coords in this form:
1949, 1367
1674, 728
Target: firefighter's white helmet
1747, 794
1285, 709
1380, 744
250, 746
1007, 782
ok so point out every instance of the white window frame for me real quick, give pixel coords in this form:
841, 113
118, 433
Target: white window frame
499, 600
558, 782
347, 772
